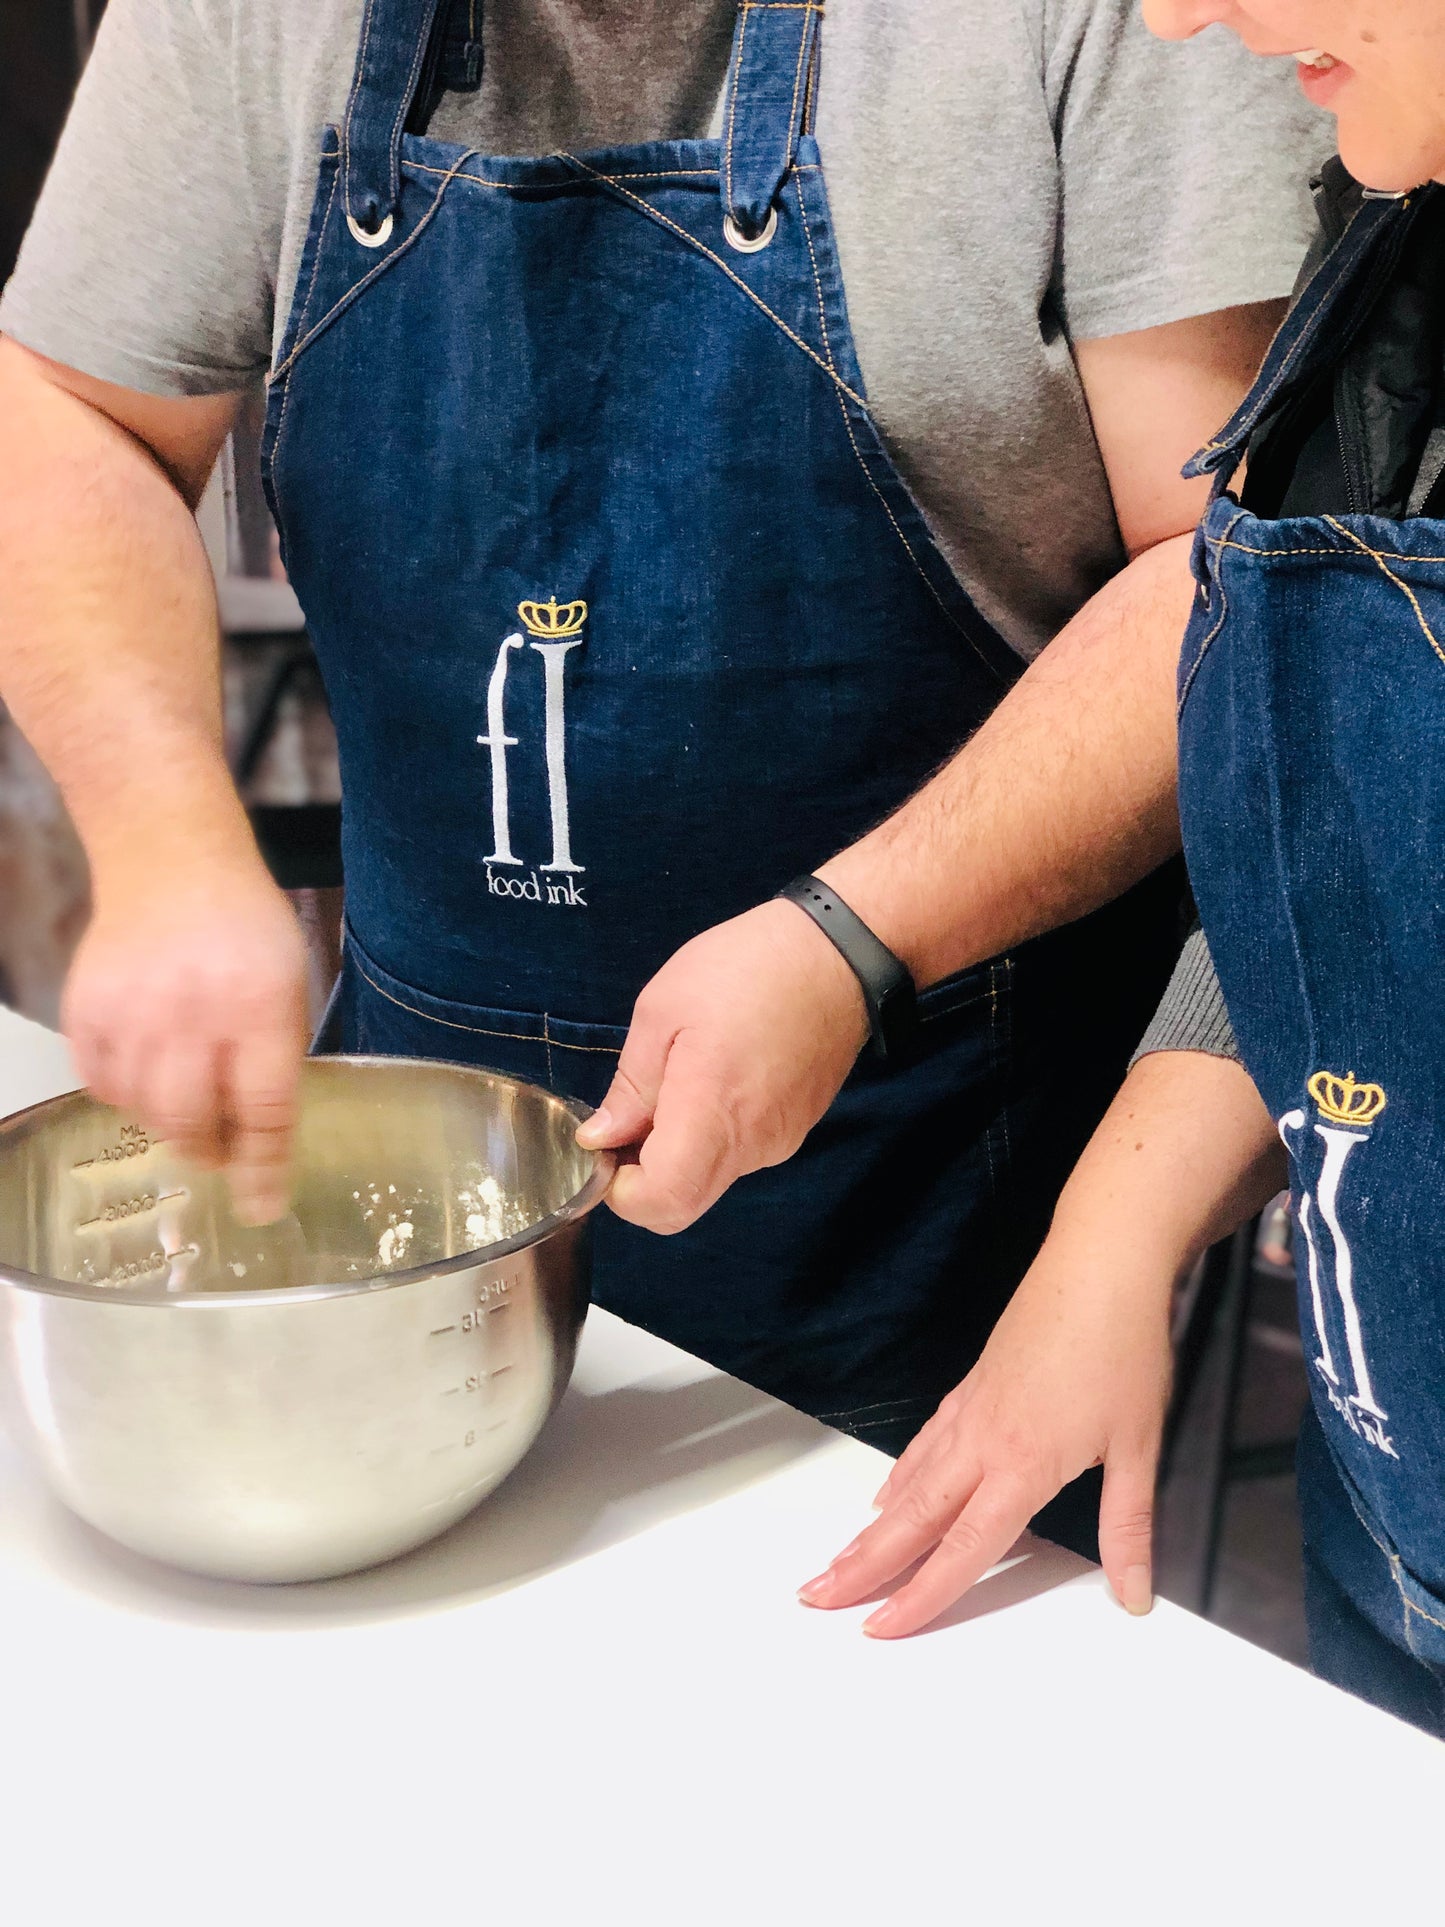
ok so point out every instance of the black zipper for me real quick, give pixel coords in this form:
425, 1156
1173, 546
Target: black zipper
1351, 466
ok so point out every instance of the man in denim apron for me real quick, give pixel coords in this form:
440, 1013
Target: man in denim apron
628, 619
689, 691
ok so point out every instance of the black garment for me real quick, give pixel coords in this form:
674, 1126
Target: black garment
1368, 436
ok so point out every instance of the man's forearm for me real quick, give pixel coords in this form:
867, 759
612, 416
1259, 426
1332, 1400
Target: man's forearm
1060, 802
108, 631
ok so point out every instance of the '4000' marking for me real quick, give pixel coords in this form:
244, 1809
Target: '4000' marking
134, 1143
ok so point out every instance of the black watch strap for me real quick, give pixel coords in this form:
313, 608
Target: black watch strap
887, 987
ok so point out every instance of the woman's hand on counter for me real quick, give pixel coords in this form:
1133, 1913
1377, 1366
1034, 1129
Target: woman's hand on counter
736, 1048
1077, 1371
1076, 1374
186, 1006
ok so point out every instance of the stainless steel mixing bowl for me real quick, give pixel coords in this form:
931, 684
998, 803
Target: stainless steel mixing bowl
308, 1399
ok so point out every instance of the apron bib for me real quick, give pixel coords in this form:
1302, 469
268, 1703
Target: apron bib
1312, 789
626, 619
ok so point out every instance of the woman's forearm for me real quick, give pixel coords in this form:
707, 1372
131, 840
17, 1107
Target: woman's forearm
1186, 1152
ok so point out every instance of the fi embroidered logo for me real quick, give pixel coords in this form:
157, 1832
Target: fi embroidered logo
1348, 1111
556, 629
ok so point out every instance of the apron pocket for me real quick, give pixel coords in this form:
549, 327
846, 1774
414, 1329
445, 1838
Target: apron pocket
382, 1015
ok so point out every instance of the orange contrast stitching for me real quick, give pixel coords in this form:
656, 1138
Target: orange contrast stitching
355, 289
692, 241
355, 94
1390, 576
480, 1030
843, 389
733, 105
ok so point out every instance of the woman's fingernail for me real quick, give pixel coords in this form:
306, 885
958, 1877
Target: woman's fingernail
595, 1129
1138, 1592
814, 1589
877, 1624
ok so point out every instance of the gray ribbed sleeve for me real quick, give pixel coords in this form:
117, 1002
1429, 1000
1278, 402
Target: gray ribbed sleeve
1193, 1014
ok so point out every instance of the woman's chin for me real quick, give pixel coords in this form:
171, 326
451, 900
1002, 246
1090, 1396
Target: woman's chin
1386, 159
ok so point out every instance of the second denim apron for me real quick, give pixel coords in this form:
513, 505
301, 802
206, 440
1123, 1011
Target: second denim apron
627, 619
1312, 781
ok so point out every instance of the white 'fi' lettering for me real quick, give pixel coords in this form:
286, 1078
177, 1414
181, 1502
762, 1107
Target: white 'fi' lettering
498, 742
1361, 1408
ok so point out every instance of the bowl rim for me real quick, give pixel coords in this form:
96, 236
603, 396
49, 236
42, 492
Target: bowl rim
580, 1205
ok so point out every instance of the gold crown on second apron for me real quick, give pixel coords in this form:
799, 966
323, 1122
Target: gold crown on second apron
551, 618
1343, 1101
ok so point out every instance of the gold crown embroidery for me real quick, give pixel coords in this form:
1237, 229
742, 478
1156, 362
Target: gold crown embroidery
1343, 1101
553, 619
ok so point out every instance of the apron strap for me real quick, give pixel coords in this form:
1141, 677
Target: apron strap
1318, 328
769, 87
395, 37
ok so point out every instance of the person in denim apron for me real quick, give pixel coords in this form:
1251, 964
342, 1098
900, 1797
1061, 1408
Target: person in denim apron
1311, 698
627, 619
1314, 818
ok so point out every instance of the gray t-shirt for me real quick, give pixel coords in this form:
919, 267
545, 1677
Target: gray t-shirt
1005, 176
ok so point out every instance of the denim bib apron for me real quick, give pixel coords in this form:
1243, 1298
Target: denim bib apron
626, 619
1312, 782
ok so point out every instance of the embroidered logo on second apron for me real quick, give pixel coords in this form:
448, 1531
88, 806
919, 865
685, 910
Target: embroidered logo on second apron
1347, 1111
557, 630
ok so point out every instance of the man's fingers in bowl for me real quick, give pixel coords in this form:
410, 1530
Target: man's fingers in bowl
261, 1075
96, 1059
991, 1522
179, 1096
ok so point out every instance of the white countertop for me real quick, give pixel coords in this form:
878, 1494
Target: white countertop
597, 1699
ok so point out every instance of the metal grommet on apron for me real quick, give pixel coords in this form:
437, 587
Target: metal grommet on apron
627, 619
376, 237
750, 243
1312, 792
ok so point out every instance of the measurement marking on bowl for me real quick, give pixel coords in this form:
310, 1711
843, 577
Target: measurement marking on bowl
153, 1261
137, 1268
134, 1143
441, 1330
498, 1372
491, 1296
451, 1391
126, 1208
437, 1450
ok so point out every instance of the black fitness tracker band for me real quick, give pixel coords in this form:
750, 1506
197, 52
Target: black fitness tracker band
888, 990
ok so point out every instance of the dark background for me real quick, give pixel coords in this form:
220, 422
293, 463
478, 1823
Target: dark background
41, 52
